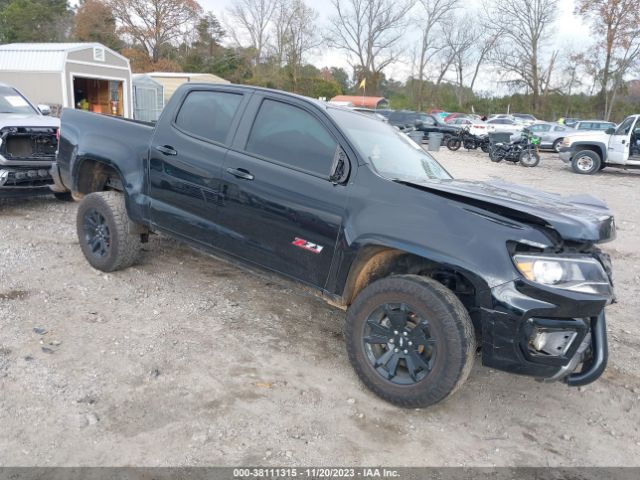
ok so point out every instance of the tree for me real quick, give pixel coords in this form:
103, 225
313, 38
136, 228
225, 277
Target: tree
34, 20
300, 38
252, 18
432, 15
369, 31
341, 77
94, 22
616, 25
210, 34
525, 28
155, 24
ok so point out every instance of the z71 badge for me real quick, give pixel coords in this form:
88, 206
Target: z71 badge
302, 243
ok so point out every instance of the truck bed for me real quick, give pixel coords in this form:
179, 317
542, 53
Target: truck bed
108, 138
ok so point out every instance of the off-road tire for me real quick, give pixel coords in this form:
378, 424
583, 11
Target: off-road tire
581, 165
527, 161
451, 325
124, 247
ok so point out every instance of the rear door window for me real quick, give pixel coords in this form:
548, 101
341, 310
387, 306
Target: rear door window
291, 136
208, 115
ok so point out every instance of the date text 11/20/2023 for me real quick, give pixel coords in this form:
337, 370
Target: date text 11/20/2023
308, 472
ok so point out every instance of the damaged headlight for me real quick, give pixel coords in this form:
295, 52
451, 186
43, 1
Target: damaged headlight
583, 274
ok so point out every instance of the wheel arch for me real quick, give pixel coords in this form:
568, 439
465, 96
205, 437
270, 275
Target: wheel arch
96, 175
375, 261
596, 147
93, 174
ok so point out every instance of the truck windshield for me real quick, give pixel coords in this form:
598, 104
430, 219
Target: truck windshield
388, 150
12, 102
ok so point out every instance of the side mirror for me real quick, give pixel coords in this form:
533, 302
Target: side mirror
44, 109
610, 131
419, 123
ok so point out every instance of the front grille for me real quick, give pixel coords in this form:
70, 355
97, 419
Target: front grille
28, 143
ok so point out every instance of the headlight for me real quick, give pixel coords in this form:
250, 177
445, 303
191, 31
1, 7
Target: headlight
584, 274
566, 141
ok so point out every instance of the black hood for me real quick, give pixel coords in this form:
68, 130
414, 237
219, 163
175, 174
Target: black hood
580, 218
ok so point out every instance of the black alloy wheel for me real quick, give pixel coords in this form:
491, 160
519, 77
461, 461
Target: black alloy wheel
96, 233
398, 344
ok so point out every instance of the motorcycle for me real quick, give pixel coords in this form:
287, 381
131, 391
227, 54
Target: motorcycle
524, 150
463, 138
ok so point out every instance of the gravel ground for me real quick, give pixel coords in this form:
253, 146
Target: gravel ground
188, 360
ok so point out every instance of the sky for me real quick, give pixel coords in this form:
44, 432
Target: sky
569, 34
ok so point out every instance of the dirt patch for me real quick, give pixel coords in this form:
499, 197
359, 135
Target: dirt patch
13, 295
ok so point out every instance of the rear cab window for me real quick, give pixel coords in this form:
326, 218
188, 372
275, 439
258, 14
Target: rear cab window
291, 136
208, 114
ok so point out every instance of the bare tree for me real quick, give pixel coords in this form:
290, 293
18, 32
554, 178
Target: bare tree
300, 38
369, 31
525, 28
432, 14
155, 23
282, 19
252, 19
616, 26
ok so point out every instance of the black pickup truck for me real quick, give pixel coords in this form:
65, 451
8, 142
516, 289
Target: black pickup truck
428, 268
422, 122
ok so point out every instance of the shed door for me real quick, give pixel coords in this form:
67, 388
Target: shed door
147, 107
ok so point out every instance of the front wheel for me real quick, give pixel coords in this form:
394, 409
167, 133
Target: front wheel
529, 158
63, 196
410, 340
586, 162
103, 232
453, 143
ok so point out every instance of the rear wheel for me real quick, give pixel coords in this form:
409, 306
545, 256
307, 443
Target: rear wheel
529, 158
410, 340
103, 232
586, 162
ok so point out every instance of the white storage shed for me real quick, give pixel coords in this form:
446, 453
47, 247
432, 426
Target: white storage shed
80, 75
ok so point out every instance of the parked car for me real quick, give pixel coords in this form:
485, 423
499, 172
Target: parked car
423, 122
590, 151
371, 112
28, 143
347, 206
596, 125
454, 115
503, 125
570, 122
476, 127
551, 134
525, 118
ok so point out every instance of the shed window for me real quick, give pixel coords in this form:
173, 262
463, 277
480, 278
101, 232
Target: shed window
98, 54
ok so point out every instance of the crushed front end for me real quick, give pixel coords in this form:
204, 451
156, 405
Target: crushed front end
26, 156
550, 324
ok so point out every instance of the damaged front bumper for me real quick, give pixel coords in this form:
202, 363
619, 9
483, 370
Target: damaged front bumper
547, 334
26, 156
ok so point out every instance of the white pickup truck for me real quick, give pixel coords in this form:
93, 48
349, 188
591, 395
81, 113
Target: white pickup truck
590, 152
